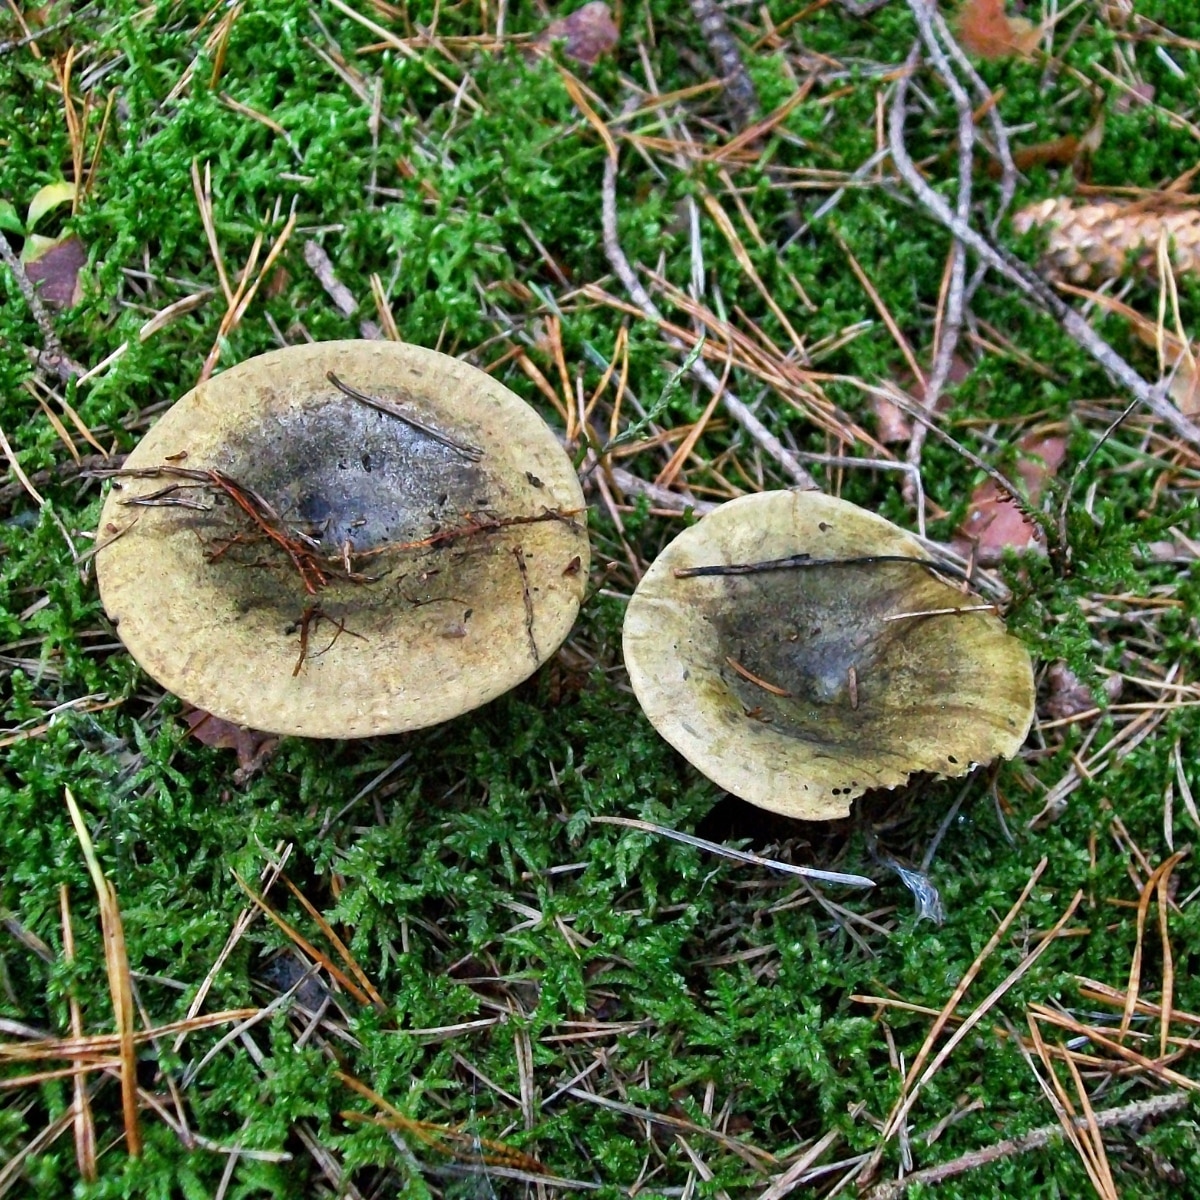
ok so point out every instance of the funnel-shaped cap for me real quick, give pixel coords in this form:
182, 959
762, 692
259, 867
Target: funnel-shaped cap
303, 560
799, 687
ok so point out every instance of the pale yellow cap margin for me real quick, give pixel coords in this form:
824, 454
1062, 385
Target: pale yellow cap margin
402, 671
681, 678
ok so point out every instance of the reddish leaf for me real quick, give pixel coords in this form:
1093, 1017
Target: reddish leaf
1138, 94
1067, 697
589, 33
987, 32
56, 267
893, 424
254, 748
994, 523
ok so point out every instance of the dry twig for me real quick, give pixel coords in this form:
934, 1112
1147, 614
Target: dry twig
52, 354
739, 411
1035, 1139
1025, 277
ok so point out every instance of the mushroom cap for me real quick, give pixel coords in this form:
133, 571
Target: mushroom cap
832, 698
410, 635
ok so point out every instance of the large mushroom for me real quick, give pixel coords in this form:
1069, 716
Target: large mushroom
344, 539
799, 650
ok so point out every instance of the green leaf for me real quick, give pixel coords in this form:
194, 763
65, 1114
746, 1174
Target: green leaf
47, 199
9, 221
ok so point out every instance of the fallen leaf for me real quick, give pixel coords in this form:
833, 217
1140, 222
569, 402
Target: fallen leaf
986, 31
588, 33
1067, 697
55, 263
1137, 95
994, 523
278, 283
892, 423
46, 200
254, 748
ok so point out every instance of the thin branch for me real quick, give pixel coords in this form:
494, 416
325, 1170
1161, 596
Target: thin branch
738, 410
1127, 1114
739, 87
951, 325
52, 353
1027, 279
836, 877
29, 38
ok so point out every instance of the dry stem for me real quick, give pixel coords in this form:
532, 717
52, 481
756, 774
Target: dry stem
739, 411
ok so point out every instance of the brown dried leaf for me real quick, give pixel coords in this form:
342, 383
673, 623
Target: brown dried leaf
254, 748
987, 32
56, 265
589, 33
892, 423
1068, 697
994, 523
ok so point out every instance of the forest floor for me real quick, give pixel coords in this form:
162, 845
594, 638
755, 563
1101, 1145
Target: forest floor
438, 963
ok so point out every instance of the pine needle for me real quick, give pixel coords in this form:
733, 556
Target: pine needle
120, 986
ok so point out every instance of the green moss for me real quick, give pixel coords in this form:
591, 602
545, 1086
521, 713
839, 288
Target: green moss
473, 882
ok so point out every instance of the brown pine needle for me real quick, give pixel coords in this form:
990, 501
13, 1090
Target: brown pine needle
746, 673
1074, 1127
1100, 1170
317, 956
620, 354
338, 944
202, 187
56, 424
77, 1070
534, 374
85, 1127
554, 338
575, 91
725, 225
456, 90
383, 308
453, 1142
914, 1081
1102, 993
98, 1046
22, 478
1108, 1118
1160, 873
1168, 959
45, 1138
885, 313
669, 473
1102, 1041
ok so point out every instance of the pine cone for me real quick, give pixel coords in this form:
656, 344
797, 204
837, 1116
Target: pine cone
1089, 242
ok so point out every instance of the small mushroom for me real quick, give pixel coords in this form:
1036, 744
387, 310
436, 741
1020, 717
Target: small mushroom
344, 539
799, 650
